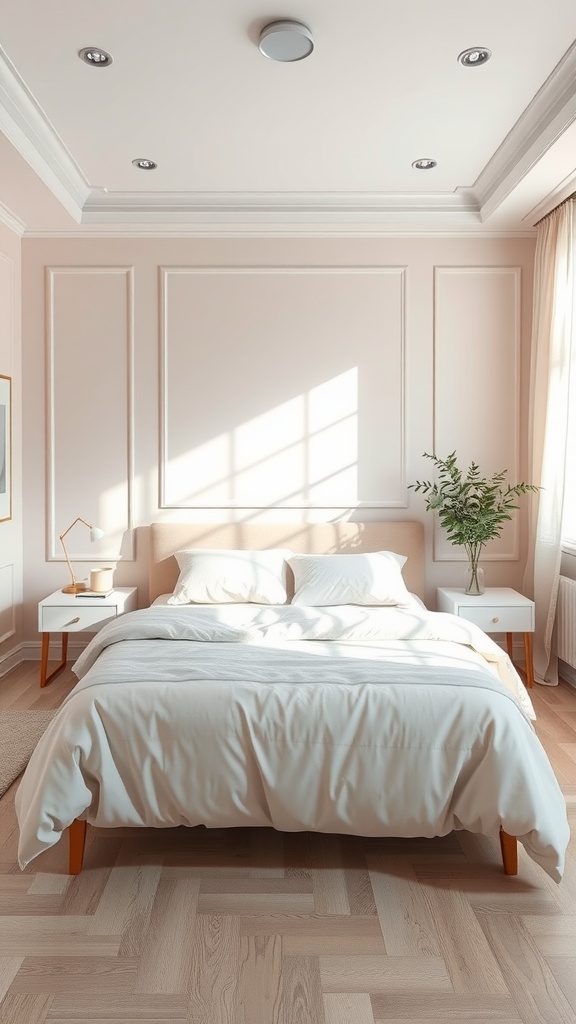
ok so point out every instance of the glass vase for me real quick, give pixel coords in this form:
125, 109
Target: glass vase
474, 579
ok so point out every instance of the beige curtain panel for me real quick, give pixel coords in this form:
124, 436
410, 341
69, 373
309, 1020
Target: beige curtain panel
553, 328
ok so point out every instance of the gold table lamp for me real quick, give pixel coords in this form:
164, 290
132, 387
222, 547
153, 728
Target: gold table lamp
76, 587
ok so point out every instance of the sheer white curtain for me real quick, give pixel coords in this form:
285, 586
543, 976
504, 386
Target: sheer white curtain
553, 328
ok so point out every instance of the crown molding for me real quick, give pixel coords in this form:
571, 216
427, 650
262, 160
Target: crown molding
564, 190
11, 220
272, 230
280, 207
546, 118
25, 125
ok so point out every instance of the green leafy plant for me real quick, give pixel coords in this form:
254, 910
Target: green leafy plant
471, 508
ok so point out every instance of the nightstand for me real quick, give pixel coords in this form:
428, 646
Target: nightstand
67, 613
497, 610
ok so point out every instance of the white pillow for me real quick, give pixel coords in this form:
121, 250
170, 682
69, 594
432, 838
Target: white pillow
215, 576
369, 579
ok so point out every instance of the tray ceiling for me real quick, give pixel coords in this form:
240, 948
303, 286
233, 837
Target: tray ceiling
247, 143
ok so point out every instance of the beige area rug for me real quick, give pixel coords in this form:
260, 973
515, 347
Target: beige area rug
19, 734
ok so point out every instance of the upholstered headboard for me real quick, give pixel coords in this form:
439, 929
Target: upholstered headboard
406, 538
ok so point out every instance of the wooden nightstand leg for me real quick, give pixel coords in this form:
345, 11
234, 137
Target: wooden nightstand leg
529, 662
44, 677
44, 658
509, 646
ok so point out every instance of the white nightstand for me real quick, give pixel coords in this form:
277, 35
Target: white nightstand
67, 613
497, 610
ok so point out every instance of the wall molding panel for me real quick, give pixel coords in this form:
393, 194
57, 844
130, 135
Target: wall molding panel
90, 428
477, 345
274, 393
7, 602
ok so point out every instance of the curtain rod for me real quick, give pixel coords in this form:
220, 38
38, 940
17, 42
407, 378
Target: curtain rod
567, 200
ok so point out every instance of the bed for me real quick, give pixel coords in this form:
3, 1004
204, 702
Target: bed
290, 676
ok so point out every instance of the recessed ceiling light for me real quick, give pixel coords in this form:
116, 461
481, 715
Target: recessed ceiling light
286, 41
474, 57
424, 164
143, 164
94, 56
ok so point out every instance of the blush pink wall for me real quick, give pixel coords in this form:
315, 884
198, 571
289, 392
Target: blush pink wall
11, 570
171, 378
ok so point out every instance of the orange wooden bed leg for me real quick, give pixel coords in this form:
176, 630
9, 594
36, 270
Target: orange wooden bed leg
509, 848
76, 841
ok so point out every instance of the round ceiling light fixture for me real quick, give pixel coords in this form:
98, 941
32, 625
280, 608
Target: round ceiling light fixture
475, 56
424, 164
143, 164
94, 56
286, 41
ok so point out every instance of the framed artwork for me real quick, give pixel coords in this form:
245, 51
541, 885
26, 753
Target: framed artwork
5, 448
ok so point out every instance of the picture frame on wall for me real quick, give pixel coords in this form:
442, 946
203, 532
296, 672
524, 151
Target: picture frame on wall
5, 448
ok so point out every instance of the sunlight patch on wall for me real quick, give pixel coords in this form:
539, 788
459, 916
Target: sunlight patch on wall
303, 451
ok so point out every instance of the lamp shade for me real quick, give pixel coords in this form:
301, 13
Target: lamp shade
96, 533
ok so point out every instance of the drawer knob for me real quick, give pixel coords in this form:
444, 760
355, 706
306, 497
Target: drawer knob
496, 618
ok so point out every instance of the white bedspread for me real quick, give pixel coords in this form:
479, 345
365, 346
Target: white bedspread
391, 722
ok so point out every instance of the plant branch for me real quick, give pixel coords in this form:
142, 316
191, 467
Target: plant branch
471, 508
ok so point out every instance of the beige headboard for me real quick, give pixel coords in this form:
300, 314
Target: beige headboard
406, 538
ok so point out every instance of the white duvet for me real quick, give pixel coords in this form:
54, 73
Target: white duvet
369, 721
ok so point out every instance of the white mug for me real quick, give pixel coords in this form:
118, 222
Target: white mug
101, 580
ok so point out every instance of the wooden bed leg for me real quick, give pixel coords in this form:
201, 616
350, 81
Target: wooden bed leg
76, 841
509, 848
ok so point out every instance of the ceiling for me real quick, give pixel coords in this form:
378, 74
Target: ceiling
326, 144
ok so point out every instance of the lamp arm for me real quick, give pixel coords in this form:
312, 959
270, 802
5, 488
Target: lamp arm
66, 557
62, 535
77, 520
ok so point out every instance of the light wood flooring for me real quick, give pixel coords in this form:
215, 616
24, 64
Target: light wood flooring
249, 926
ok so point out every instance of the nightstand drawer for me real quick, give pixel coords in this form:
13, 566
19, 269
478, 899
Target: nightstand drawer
74, 620
499, 619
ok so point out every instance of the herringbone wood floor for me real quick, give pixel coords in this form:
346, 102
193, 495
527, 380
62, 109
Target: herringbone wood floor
257, 927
